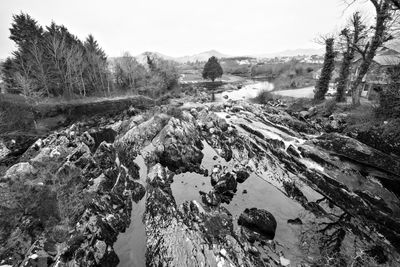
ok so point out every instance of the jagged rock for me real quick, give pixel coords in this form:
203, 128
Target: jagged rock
293, 151
242, 176
102, 135
105, 156
135, 138
88, 139
21, 171
260, 221
357, 151
211, 198
226, 183
178, 145
138, 192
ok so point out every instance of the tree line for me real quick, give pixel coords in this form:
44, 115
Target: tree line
52, 62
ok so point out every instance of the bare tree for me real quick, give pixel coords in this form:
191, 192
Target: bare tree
37, 54
128, 72
368, 51
352, 35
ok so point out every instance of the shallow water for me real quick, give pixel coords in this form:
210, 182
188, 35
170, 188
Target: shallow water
131, 245
262, 195
186, 187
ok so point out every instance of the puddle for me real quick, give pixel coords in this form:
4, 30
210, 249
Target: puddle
260, 194
186, 187
131, 245
208, 159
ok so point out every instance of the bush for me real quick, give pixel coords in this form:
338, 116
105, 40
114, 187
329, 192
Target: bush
264, 96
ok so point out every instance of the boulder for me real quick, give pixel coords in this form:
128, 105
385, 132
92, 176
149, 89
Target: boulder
259, 221
21, 171
226, 183
242, 176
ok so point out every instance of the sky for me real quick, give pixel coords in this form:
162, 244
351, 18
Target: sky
186, 27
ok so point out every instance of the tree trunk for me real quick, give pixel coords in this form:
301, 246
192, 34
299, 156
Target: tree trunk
343, 77
326, 72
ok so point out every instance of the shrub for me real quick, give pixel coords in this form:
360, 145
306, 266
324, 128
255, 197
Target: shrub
264, 96
329, 106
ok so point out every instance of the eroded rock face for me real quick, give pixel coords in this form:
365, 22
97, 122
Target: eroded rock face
66, 204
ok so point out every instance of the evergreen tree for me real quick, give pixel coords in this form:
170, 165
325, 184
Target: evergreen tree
24, 30
212, 69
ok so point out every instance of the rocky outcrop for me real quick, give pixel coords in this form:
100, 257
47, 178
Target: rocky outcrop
71, 195
65, 203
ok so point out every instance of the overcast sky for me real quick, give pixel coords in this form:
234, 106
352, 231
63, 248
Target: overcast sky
185, 27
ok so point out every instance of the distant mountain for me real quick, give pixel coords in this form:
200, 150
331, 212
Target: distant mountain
204, 56
292, 53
